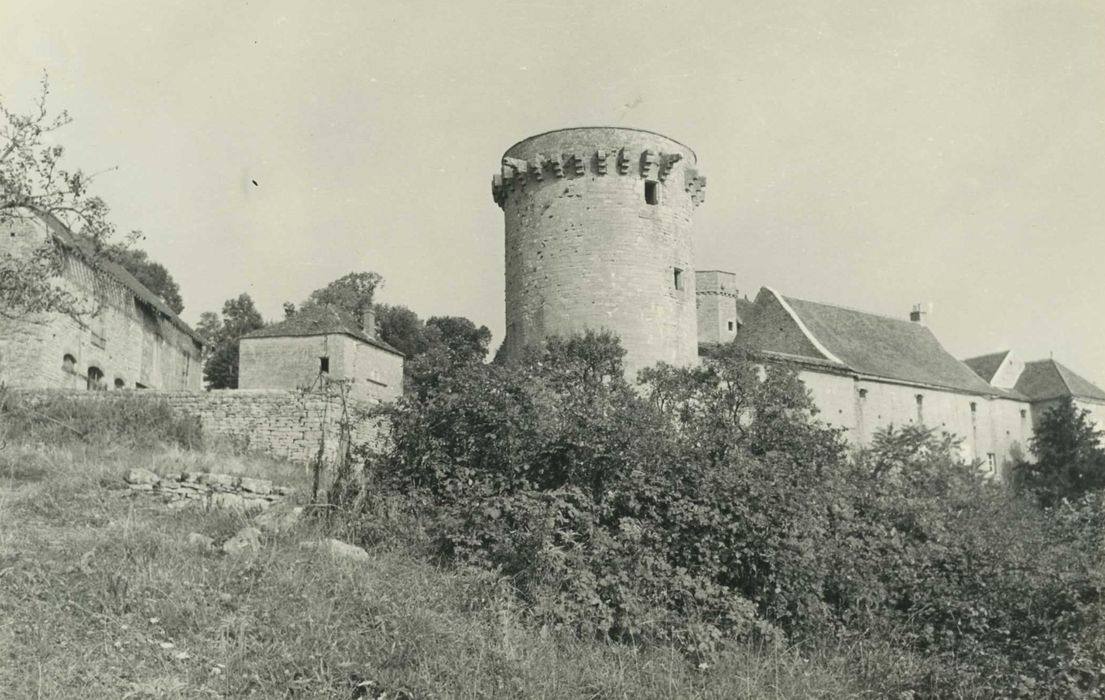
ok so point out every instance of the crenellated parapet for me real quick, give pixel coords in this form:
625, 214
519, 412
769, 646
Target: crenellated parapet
516, 174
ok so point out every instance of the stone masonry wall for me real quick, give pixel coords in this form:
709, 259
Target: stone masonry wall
283, 424
124, 340
585, 250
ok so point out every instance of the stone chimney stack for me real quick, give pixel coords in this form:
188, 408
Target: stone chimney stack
368, 322
921, 313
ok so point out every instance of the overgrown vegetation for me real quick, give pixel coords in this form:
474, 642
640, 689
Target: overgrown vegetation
707, 507
102, 595
120, 420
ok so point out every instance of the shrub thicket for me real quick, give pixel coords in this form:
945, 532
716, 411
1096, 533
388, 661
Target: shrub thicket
708, 504
122, 419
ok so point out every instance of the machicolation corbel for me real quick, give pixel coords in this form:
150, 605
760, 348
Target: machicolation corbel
623, 162
649, 161
558, 165
667, 162
600, 161
579, 164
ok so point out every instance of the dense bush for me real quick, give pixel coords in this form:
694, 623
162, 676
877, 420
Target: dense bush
122, 419
708, 504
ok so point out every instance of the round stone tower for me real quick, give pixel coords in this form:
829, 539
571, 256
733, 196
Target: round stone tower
598, 235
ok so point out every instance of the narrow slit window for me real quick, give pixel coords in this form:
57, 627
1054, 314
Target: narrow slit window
677, 278
652, 192
730, 325
324, 365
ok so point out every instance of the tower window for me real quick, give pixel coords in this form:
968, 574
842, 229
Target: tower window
974, 407
652, 192
730, 325
678, 278
324, 365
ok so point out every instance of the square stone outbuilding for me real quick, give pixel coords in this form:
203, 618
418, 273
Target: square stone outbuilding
318, 344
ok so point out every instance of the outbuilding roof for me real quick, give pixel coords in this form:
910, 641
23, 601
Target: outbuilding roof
986, 366
323, 319
865, 343
1047, 379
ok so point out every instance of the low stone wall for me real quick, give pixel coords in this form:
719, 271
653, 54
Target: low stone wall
286, 424
209, 489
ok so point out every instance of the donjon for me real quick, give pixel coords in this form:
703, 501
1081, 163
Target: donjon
598, 236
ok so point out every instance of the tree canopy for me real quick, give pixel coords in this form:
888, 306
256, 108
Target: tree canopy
1069, 459
239, 316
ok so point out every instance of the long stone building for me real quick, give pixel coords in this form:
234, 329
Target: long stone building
129, 338
598, 235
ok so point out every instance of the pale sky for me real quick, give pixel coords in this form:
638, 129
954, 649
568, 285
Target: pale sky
869, 154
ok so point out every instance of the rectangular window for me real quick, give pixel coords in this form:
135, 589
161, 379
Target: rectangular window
324, 365
678, 278
992, 462
652, 192
730, 325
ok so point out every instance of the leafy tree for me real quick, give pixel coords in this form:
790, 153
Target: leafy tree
1069, 459
150, 273
239, 316
402, 329
34, 183
352, 293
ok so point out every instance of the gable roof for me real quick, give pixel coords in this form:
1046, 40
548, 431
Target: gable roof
1047, 379
320, 320
862, 342
141, 292
986, 366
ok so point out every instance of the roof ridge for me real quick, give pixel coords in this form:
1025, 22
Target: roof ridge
858, 311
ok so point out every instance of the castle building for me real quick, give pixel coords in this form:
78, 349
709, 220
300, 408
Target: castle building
598, 236
131, 339
321, 344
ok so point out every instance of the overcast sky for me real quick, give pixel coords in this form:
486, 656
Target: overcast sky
868, 154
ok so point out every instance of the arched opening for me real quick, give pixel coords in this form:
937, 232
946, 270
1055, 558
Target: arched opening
95, 378
69, 363
119, 383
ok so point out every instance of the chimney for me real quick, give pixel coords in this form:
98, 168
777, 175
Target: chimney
921, 313
368, 322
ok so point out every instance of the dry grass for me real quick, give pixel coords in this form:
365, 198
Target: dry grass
102, 597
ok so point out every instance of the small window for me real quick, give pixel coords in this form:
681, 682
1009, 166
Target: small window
863, 393
974, 407
69, 363
730, 325
95, 378
324, 365
1024, 414
652, 192
678, 278
992, 462
119, 383
920, 399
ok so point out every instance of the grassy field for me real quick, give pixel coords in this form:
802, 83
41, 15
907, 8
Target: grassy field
101, 596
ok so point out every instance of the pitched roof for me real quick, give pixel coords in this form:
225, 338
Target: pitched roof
141, 292
986, 366
863, 342
1047, 379
320, 320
